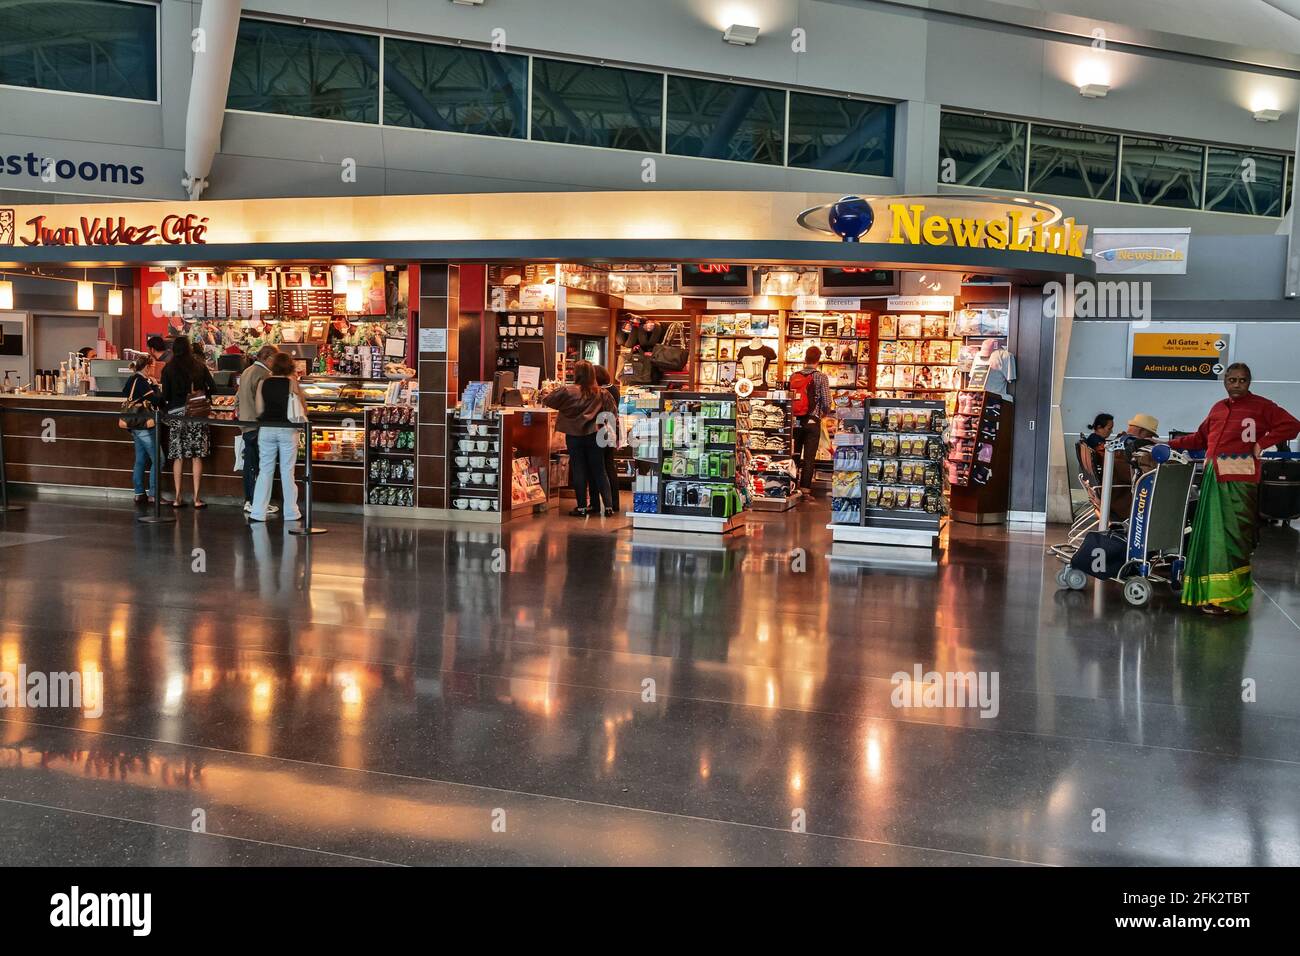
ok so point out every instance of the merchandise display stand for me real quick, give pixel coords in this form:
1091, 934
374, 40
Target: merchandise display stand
887, 487
979, 459
699, 462
767, 432
474, 461
390, 459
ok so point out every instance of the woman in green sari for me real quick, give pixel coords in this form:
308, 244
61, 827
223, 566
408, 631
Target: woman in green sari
1217, 576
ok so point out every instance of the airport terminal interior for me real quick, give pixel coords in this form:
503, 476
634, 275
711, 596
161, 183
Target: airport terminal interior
797, 433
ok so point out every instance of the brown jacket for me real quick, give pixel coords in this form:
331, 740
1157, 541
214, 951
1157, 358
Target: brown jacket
577, 411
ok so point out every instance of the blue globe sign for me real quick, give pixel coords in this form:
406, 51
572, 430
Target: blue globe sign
851, 218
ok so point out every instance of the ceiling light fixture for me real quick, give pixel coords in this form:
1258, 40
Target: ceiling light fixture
169, 297
6, 295
1093, 79
261, 295
740, 35
85, 297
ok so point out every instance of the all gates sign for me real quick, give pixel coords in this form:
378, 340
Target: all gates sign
1190, 354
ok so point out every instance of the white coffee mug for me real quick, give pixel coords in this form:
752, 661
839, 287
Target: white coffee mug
477, 461
489, 478
463, 476
461, 503
476, 478
462, 460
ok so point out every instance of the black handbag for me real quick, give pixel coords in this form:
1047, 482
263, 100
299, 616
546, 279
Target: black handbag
135, 414
672, 354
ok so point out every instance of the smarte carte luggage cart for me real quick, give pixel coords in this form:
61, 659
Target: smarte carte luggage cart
1152, 545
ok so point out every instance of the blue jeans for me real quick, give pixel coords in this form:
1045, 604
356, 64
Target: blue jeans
145, 454
273, 443
251, 463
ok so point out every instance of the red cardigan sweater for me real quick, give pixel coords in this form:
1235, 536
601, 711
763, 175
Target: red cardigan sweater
1221, 435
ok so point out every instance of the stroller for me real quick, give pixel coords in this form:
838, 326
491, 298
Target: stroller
1150, 546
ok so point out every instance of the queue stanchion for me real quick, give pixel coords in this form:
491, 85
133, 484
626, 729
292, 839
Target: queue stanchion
5, 506
155, 471
305, 525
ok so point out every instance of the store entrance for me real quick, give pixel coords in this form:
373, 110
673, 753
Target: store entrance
945, 339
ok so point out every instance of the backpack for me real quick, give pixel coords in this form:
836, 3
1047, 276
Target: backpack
801, 383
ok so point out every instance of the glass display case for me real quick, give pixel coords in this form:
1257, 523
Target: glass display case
336, 406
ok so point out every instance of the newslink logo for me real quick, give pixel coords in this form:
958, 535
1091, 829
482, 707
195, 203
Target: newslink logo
50, 169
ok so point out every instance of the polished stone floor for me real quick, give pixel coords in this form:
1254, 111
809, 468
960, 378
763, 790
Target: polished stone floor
559, 692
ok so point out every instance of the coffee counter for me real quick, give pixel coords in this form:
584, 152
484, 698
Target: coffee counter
90, 452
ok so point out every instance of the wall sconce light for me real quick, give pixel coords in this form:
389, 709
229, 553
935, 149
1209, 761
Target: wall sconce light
468, 3
85, 297
1093, 78
1265, 107
261, 295
6, 295
1267, 116
740, 35
169, 297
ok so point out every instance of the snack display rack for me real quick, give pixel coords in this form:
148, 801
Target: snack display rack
899, 455
700, 465
766, 431
390, 457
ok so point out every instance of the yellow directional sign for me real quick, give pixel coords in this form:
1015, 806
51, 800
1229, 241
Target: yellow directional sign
1185, 355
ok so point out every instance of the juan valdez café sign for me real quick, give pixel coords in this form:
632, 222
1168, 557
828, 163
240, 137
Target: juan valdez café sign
116, 231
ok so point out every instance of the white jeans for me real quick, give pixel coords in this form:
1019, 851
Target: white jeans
273, 442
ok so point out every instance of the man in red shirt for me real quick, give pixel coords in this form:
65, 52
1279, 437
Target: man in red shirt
1217, 577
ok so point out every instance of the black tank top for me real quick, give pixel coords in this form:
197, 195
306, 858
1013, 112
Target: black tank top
275, 399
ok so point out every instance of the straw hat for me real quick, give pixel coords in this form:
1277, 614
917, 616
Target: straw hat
1147, 422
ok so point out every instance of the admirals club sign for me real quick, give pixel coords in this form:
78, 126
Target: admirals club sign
974, 222
189, 229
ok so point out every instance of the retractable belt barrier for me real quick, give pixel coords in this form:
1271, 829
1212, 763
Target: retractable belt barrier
158, 517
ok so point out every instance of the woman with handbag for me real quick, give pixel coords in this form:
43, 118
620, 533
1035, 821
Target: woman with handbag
139, 412
580, 406
1217, 578
279, 399
187, 397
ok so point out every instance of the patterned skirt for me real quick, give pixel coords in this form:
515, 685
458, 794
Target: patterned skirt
188, 437
1224, 536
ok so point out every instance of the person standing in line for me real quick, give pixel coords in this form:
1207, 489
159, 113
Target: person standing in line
140, 388
579, 406
187, 393
810, 402
1217, 578
609, 447
159, 357
277, 442
246, 400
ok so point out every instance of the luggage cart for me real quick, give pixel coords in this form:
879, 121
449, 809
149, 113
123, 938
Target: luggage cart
1153, 540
